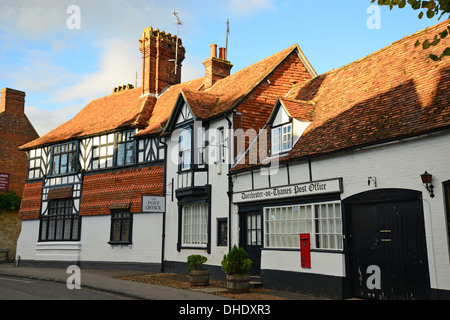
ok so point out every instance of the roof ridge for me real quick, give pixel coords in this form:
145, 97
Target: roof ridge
417, 33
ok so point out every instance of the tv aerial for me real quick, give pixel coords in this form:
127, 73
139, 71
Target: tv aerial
178, 23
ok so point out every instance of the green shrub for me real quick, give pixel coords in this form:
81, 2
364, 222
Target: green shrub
9, 201
236, 262
196, 261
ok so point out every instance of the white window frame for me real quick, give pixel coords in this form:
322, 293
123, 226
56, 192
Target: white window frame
281, 138
185, 147
284, 224
194, 232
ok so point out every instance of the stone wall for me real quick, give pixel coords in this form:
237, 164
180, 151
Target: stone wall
10, 227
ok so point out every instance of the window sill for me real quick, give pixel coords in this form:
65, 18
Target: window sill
120, 243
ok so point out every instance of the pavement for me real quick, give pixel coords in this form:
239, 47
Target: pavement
107, 281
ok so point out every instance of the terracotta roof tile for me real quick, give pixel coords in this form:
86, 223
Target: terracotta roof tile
30, 206
391, 93
223, 96
109, 113
102, 191
297, 109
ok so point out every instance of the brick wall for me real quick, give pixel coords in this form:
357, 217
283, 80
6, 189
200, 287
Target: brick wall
105, 191
257, 108
31, 202
15, 131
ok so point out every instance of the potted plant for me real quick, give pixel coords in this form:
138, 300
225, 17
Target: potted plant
198, 275
236, 265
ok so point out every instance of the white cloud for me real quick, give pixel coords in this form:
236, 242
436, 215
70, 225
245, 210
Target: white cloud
119, 62
44, 120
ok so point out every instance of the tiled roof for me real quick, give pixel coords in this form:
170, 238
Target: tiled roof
223, 96
297, 109
129, 107
109, 113
392, 93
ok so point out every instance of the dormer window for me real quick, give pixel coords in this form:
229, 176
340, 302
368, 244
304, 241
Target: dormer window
281, 138
288, 121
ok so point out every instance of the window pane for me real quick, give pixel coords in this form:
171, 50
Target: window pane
275, 140
120, 154
55, 165
195, 224
284, 224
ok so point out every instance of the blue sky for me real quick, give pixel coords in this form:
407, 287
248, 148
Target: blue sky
62, 69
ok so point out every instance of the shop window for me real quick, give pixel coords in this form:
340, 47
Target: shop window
121, 226
195, 225
64, 158
283, 225
60, 223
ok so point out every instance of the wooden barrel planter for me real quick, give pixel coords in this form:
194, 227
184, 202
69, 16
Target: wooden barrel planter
238, 283
199, 278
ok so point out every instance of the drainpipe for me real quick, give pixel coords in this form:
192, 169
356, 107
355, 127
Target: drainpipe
164, 213
230, 182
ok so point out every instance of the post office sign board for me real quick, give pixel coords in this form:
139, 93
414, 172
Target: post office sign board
152, 204
4, 182
297, 190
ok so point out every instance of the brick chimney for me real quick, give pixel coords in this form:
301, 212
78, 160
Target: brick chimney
12, 101
159, 69
216, 68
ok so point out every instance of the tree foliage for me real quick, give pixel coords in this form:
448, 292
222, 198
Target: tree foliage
430, 9
9, 201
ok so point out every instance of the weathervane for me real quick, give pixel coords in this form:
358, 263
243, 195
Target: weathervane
178, 23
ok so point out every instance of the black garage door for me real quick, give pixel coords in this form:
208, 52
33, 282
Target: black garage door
387, 255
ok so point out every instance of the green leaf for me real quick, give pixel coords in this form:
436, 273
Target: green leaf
443, 34
430, 14
436, 41
433, 57
426, 45
446, 52
421, 15
417, 43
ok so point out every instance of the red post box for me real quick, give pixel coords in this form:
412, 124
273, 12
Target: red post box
305, 250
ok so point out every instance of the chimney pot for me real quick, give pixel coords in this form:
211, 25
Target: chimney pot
214, 50
222, 53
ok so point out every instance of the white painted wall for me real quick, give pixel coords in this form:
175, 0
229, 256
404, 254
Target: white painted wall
94, 247
395, 165
217, 177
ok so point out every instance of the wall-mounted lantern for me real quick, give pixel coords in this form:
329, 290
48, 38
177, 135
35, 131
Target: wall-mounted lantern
426, 180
